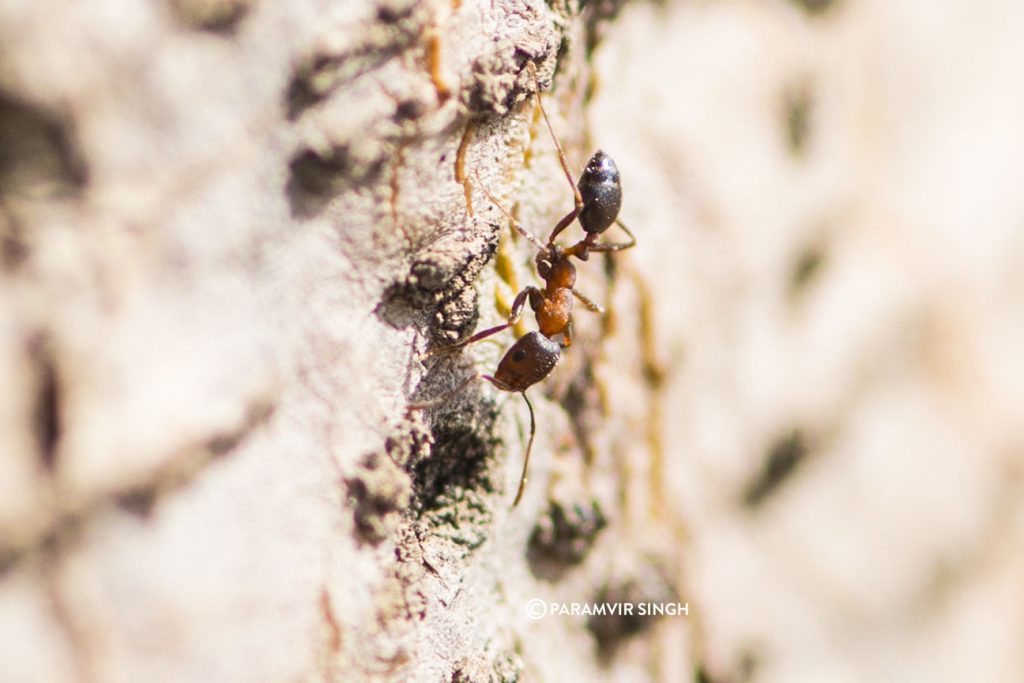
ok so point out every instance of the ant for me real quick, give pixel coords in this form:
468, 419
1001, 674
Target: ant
597, 200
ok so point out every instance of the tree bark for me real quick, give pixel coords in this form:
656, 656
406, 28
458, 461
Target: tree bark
231, 231
236, 236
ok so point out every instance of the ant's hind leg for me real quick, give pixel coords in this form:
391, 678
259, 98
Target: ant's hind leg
577, 197
565, 223
515, 224
615, 246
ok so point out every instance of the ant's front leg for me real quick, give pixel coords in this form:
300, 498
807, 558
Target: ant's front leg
513, 318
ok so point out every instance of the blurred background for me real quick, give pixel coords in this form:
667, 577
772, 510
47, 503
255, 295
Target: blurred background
833, 241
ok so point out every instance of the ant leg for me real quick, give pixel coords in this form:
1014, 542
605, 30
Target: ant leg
425, 405
586, 301
513, 318
515, 224
577, 197
566, 336
564, 223
615, 246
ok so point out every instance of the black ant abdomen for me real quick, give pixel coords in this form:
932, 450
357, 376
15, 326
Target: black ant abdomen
601, 191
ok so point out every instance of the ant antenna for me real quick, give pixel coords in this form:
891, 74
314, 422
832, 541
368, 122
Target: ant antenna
529, 447
426, 405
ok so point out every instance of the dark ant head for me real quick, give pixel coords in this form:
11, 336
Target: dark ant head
602, 193
528, 361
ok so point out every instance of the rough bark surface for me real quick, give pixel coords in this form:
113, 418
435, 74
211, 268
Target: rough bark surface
231, 231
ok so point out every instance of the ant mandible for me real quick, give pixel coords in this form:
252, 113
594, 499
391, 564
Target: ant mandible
597, 200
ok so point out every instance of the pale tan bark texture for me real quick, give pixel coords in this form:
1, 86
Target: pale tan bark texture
236, 236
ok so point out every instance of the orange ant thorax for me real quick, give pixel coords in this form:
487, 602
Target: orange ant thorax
554, 312
553, 305
562, 276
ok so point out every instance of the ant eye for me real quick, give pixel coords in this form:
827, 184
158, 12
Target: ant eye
519, 355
